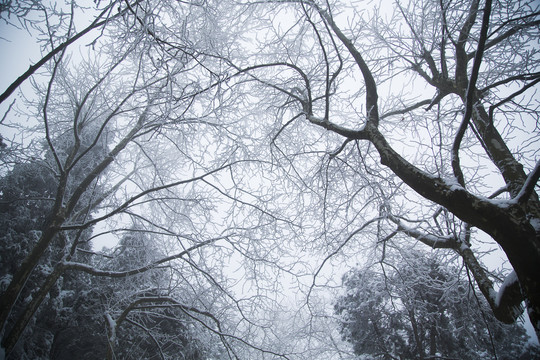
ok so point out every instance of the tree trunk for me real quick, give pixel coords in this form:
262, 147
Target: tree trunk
10, 340
417, 337
524, 255
432, 340
10, 296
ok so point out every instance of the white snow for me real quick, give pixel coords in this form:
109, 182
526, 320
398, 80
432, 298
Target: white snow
510, 280
452, 184
112, 327
535, 222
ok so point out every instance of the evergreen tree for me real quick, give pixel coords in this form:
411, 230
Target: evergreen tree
418, 310
27, 196
147, 325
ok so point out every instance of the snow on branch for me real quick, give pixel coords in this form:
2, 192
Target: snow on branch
68, 265
509, 296
140, 195
434, 241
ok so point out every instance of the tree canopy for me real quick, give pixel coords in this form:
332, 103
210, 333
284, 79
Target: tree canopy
195, 177
422, 309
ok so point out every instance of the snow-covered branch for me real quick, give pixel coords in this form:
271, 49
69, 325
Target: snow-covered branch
68, 265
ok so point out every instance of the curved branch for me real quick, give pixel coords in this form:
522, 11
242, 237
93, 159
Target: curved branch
337, 250
154, 340
505, 304
431, 240
188, 310
371, 86
134, 198
343, 131
470, 94
32, 69
407, 109
508, 34
522, 77
528, 187
121, 274
510, 97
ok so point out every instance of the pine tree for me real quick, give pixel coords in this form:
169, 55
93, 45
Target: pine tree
419, 310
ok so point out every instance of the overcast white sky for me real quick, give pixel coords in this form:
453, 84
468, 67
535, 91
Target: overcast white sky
18, 51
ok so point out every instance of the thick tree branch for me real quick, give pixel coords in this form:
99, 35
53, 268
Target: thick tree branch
343, 131
431, 240
461, 55
505, 304
371, 86
529, 185
10, 340
99, 168
407, 109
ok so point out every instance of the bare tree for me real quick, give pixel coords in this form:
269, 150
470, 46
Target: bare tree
110, 125
247, 137
142, 129
429, 95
